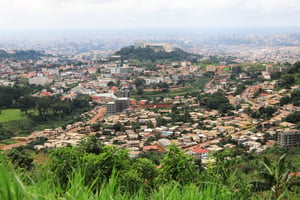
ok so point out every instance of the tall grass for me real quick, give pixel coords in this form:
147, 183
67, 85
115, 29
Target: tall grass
13, 188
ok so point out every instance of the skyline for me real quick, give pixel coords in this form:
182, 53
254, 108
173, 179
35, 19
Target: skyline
32, 15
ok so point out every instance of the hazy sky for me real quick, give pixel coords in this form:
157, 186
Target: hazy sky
115, 14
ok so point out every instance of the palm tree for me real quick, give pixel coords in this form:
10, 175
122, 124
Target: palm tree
274, 176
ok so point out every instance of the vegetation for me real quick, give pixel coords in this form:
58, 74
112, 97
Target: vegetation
11, 114
22, 113
216, 101
94, 171
288, 78
294, 117
148, 54
21, 55
239, 89
294, 99
262, 113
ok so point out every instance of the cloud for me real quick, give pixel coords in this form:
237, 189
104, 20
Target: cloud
83, 14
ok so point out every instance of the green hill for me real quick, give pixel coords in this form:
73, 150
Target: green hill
21, 55
149, 54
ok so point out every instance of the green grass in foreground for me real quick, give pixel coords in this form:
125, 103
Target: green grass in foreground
14, 188
11, 114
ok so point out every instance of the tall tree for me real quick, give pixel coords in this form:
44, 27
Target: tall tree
274, 176
177, 166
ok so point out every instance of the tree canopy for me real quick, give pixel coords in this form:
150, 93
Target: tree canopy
148, 54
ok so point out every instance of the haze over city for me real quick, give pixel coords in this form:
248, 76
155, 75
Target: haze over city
28, 15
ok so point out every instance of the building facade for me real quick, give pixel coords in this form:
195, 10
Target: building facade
289, 138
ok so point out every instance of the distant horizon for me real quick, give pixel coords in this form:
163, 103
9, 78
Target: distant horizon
142, 32
26, 15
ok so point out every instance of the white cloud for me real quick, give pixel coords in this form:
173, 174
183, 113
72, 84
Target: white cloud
71, 14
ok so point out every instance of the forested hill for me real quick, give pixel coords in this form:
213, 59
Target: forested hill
21, 55
148, 54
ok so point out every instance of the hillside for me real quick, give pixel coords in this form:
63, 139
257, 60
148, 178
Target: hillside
21, 55
148, 54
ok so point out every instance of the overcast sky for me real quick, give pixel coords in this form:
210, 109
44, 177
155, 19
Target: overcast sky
115, 14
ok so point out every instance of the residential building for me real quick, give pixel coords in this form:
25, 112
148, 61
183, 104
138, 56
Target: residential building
289, 138
110, 108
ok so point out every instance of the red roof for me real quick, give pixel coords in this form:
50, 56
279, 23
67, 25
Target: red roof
228, 117
263, 94
46, 93
96, 97
294, 174
114, 88
200, 150
154, 147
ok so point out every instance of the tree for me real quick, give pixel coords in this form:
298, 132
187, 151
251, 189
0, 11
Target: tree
110, 84
91, 144
240, 88
43, 106
20, 159
294, 117
284, 100
177, 166
26, 103
274, 176
130, 181
146, 170
287, 81
118, 127
139, 82
164, 86
61, 108
102, 166
5, 100
96, 127
140, 90
63, 162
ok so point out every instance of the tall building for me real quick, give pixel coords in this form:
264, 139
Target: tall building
110, 108
122, 104
119, 105
289, 138
125, 92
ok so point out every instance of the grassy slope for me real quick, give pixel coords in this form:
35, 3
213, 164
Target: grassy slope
11, 114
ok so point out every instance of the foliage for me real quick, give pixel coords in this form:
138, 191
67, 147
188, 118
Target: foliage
148, 54
263, 112
21, 55
217, 101
274, 176
176, 166
20, 159
139, 82
112, 175
294, 99
239, 89
91, 145
294, 117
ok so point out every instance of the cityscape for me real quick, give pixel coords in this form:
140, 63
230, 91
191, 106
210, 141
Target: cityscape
152, 104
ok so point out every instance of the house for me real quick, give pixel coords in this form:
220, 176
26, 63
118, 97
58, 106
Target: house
200, 153
163, 143
152, 148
